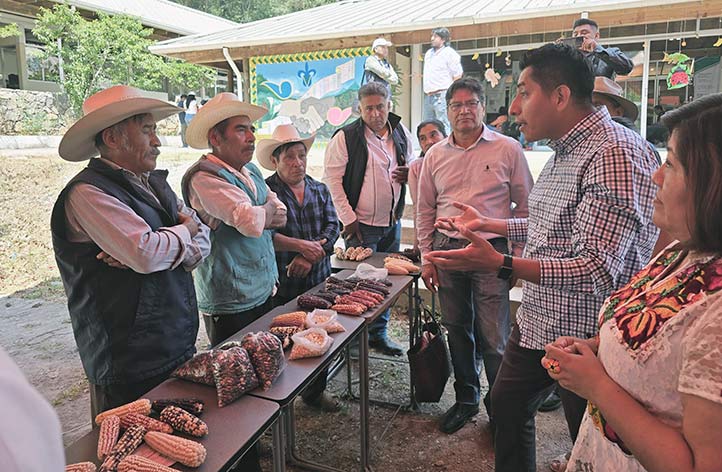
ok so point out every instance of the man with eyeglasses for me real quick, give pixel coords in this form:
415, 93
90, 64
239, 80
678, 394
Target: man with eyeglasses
365, 168
481, 168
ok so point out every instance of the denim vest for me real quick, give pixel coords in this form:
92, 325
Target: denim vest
128, 326
240, 272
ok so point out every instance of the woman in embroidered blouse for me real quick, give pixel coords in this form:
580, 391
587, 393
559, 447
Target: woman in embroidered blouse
653, 376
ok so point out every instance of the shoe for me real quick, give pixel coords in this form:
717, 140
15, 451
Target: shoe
552, 403
324, 402
560, 463
386, 346
457, 416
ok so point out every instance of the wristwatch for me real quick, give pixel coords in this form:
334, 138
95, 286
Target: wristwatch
505, 269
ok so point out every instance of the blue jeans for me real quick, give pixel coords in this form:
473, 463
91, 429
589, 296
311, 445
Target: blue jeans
380, 239
475, 312
435, 108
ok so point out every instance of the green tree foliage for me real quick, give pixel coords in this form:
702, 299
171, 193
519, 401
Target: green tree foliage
9, 30
244, 11
107, 51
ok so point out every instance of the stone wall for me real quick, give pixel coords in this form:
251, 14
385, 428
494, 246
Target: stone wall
24, 112
29, 113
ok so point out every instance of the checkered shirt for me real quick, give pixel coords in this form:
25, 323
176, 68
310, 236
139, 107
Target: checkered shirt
589, 225
314, 220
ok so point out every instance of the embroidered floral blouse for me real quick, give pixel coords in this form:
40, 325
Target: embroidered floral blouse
660, 336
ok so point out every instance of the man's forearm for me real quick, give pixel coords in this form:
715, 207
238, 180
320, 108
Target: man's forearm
526, 269
283, 243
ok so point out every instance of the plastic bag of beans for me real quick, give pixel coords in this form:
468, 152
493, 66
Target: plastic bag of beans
313, 342
198, 369
266, 354
327, 320
233, 373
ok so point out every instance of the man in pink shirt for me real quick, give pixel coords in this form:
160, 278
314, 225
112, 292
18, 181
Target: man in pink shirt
365, 168
484, 169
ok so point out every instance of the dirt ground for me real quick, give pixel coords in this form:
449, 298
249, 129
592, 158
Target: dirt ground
36, 332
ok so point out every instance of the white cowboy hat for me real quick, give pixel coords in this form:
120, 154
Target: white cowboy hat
611, 89
283, 134
104, 109
222, 106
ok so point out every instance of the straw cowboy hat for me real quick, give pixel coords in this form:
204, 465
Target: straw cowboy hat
104, 109
611, 89
283, 134
222, 106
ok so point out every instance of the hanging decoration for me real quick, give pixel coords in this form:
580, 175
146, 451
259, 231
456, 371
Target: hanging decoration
475, 56
507, 59
681, 73
718, 43
491, 75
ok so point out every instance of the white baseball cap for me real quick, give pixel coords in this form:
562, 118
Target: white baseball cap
380, 42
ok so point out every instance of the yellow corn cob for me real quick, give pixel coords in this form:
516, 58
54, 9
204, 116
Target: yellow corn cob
183, 421
185, 451
141, 406
142, 464
128, 442
108, 436
150, 424
80, 467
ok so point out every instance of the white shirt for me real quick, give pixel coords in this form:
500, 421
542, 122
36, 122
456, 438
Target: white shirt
30, 435
379, 192
440, 68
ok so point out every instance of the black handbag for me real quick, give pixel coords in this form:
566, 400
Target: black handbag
429, 360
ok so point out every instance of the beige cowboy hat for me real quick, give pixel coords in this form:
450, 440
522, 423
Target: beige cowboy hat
611, 89
222, 106
283, 134
381, 41
104, 109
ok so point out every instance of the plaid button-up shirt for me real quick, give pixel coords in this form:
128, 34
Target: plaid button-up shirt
314, 220
589, 225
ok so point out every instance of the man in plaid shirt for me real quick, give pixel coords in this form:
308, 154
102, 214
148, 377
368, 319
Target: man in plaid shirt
589, 230
304, 245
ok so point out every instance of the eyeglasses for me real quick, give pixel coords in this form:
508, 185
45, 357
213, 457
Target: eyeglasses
470, 105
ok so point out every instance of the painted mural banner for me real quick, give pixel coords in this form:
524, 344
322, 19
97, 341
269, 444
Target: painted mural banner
315, 91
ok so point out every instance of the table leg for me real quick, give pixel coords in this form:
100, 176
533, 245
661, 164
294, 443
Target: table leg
279, 461
363, 360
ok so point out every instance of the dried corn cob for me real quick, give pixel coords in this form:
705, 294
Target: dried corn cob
125, 446
395, 269
328, 296
350, 298
183, 421
341, 282
372, 283
141, 406
349, 309
347, 254
311, 302
295, 318
108, 435
371, 289
150, 424
376, 296
364, 254
191, 405
185, 451
81, 467
142, 464
339, 252
337, 289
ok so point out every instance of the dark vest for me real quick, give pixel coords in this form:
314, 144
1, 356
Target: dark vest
128, 326
358, 155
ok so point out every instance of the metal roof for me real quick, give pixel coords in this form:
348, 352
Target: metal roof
161, 14
366, 17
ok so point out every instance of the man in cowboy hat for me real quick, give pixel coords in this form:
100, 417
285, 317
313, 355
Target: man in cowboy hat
608, 93
305, 244
377, 67
236, 283
125, 246
365, 170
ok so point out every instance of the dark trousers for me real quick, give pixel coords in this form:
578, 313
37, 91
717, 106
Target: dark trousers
221, 327
521, 385
318, 386
105, 397
379, 239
